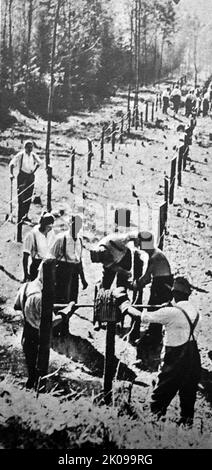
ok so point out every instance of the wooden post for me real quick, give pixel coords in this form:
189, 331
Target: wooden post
129, 121
102, 146
146, 113
172, 180
179, 166
142, 119
153, 111
109, 364
121, 131
19, 225
46, 319
113, 137
185, 155
128, 98
90, 154
49, 188
136, 116
163, 210
72, 169
156, 105
166, 188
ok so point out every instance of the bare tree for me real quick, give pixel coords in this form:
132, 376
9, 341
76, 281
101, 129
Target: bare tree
50, 103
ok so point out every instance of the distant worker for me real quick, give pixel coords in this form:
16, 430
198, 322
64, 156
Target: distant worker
205, 104
27, 163
158, 273
37, 244
67, 249
176, 98
180, 367
165, 100
189, 101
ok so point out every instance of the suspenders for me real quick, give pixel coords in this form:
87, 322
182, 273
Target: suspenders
192, 325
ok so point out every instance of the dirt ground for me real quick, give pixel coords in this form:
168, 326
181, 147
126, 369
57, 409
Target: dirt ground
137, 165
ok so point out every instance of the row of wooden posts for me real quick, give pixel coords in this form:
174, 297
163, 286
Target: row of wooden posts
132, 120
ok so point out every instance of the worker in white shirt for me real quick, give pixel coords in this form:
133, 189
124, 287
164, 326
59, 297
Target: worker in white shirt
36, 245
180, 366
67, 250
27, 162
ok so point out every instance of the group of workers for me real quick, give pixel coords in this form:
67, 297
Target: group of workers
122, 259
195, 101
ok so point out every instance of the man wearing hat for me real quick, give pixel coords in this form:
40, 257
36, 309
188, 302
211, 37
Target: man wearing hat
27, 163
37, 244
67, 249
180, 366
158, 272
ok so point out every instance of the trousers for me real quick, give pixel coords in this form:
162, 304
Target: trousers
179, 372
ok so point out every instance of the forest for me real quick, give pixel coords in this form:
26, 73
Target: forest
85, 50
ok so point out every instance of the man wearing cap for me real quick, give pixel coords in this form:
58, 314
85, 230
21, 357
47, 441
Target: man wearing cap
27, 163
67, 249
158, 272
37, 244
180, 366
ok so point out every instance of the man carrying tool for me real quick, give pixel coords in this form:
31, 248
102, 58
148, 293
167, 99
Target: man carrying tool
37, 244
180, 366
67, 250
27, 163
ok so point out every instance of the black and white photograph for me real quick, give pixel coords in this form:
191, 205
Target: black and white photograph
105, 231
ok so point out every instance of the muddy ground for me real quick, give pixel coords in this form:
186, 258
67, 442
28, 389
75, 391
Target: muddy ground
136, 166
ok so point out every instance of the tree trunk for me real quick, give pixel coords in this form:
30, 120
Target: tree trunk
50, 100
11, 48
161, 58
30, 10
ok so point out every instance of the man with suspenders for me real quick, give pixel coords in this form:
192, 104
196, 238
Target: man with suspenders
27, 163
67, 250
180, 367
36, 245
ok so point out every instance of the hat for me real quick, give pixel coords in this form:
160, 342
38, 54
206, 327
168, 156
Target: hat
102, 255
181, 284
46, 218
28, 142
146, 240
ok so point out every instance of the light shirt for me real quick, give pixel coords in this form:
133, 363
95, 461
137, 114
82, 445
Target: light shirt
177, 329
25, 162
73, 252
37, 244
32, 308
176, 92
165, 94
